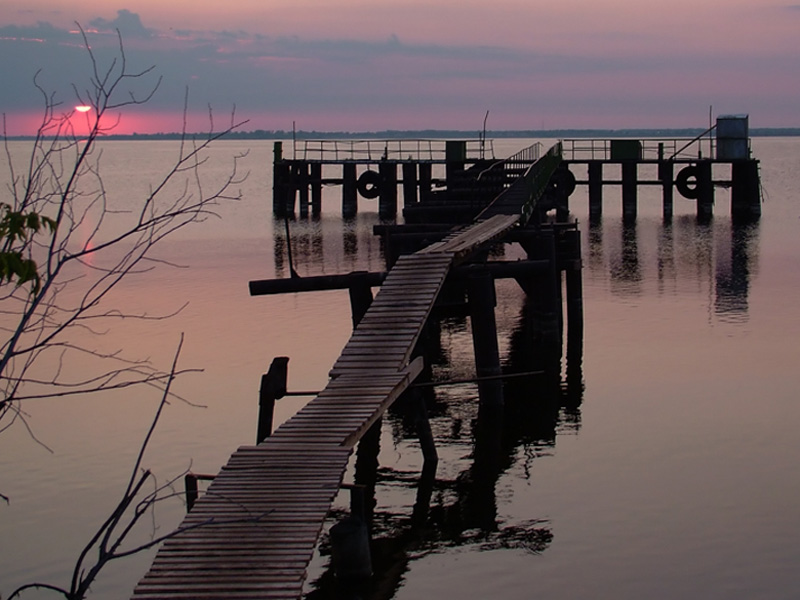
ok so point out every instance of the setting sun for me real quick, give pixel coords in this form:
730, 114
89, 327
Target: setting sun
83, 108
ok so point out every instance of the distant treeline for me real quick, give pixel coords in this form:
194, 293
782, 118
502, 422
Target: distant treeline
390, 134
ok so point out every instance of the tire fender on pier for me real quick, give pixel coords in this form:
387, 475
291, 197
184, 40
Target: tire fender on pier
687, 182
369, 184
563, 182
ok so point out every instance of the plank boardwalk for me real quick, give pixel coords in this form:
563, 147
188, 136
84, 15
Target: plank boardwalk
253, 533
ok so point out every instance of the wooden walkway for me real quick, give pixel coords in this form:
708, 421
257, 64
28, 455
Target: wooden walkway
253, 533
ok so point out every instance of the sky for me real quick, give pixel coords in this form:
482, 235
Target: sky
353, 65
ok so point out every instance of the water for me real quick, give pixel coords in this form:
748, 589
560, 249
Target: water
676, 476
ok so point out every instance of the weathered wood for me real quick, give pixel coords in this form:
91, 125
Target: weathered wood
274, 496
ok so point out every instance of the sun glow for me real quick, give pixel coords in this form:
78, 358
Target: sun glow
83, 108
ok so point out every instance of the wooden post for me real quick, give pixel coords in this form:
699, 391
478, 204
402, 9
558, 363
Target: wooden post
387, 200
366, 466
667, 186
273, 387
280, 181
595, 190
482, 301
349, 190
360, 296
629, 188
316, 188
574, 284
423, 428
425, 180
705, 190
302, 186
409, 183
745, 190
192, 491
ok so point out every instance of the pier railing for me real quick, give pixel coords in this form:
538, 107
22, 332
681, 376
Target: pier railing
398, 150
611, 149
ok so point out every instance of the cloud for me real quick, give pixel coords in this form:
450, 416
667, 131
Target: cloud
127, 23
343, 80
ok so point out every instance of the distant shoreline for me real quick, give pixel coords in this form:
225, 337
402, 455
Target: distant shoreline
261, 134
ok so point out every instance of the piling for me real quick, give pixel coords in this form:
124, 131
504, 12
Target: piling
665, 174
360, 296
409, 184
387, 198
705, 190
302, 179
595, 190
482, 302
273, 387
425, 181
349, 191
629, 189
574, 291
745, 190
315, 171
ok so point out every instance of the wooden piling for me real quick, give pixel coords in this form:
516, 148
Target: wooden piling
387, 198
409, 184
665, 174
482, 302
574, 290
273, 387
705, 190
280, 181
595, 190
425, 180
360, 296
316, 188
302, 180
629, 189
349, 191
745, 190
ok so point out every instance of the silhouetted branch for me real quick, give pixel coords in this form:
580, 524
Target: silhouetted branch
92, 246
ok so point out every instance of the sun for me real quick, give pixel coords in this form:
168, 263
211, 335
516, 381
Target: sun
83, 108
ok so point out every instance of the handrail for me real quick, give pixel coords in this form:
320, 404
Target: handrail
661, 148
392, 149
527, 155
709, 130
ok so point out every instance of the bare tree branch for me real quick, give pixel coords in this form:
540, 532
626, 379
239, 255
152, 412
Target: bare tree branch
92, 247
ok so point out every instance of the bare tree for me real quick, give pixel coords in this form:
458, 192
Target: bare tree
64, 247
108, 542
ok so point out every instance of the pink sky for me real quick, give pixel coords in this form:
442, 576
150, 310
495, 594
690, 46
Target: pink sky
353, 65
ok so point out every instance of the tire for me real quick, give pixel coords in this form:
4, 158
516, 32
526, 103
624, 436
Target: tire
687, 182
369, 184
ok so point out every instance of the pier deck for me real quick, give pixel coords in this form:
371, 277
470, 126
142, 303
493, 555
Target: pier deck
253, 533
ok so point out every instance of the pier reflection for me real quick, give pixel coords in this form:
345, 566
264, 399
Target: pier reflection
719, 256
326, 245
458, 509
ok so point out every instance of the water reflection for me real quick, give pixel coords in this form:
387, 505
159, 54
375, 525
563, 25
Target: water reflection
719, 256
459, 508
323, 244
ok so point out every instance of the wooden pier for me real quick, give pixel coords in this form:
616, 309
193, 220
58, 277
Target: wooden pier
452, 180
253, 532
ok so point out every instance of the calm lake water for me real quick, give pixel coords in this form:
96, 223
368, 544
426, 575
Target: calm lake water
674, 474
